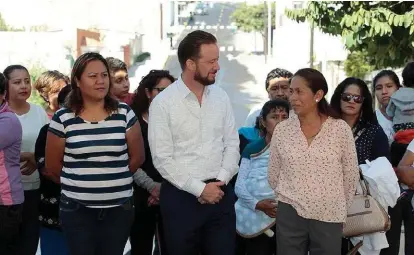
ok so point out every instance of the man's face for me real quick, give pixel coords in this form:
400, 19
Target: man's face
206, 67
279, 88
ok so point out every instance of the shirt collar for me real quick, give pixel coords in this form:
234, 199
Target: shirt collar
185, 91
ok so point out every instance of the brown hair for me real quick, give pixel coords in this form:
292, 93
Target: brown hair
74, 100
316, 81
189, 47
47, 83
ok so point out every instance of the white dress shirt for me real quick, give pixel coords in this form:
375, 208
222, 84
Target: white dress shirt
192, 143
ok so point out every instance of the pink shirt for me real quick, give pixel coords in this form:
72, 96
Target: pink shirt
319, 180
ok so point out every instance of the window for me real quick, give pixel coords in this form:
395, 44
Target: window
297, 5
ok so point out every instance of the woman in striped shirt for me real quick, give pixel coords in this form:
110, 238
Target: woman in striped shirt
97, 143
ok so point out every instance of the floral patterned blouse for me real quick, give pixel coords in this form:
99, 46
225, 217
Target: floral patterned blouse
318, 180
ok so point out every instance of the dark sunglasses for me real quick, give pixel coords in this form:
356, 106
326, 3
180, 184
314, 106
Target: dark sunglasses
348, 97
159, 89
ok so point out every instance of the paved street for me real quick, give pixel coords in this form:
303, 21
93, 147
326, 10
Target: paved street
242, 74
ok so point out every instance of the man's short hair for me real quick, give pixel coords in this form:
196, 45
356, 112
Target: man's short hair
277, 73
116, 65
190, 46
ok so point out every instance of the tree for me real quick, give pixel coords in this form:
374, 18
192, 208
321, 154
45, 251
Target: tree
356, 64
383, 30
3, 24
253, 18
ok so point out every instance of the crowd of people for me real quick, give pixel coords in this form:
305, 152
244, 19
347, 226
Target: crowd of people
98, 165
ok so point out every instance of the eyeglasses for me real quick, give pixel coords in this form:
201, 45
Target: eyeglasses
159, 89
348, 97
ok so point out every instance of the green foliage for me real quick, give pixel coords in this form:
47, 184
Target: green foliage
141, 57
252, 18
35, 71
357, 65
383, 29
5, 27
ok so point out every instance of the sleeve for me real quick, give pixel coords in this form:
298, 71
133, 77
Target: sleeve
161, 145
9, 134
411, 146
240, 189
275, 163
40, 147
350, 166
251, 117
231, 157
131, 118
143, 180
56, 126
380, 145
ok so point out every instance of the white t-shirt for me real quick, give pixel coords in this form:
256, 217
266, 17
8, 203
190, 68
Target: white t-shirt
32, 122
253, 114
386, 125
411, 147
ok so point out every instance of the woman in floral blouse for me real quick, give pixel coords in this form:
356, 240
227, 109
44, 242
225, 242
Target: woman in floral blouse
313, 168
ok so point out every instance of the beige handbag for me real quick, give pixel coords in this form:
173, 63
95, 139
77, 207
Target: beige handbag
366, 215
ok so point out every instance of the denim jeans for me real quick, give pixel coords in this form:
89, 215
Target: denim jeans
93, 231
10, 221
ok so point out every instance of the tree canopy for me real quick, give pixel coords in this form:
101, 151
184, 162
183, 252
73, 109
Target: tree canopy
252, 18
382, 30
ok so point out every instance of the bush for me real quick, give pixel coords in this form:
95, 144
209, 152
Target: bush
35, 71
141, 57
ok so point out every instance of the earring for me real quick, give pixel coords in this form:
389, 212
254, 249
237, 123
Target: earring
317, 100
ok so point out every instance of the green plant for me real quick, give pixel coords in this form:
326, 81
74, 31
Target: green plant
357, 64
383, 29
35, 71
141, 57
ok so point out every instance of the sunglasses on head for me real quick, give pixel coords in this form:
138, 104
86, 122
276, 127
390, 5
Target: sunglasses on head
348, 97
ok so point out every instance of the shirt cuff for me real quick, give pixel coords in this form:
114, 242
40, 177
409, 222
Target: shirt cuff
194, 187
224, 176
253, 204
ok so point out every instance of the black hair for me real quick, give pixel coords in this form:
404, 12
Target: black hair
63, 94
2, 84
140, 103
268, 107
316, 81
367, 111
408, 75
277, 73
7, 73
387, 73
74, 100
116, 65
189, 47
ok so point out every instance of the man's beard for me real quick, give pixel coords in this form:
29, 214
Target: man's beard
203, 80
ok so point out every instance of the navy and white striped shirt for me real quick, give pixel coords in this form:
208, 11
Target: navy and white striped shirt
95, 169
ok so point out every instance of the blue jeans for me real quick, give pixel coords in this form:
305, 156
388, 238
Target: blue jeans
93, 231
53, 242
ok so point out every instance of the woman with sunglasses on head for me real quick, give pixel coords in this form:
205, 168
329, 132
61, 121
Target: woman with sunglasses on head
353, 101
148, 182
93, 147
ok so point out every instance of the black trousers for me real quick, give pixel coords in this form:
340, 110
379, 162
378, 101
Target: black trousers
147, 224
30, 228
296, 235
10, 221
192, 228
402, 212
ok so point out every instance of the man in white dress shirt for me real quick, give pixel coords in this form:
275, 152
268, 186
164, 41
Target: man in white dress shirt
277, 87
195, 147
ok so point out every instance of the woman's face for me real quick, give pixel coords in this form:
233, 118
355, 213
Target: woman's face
351, 101
162, 84
302, 98
275, 116
94, 81
384, 88
20, 87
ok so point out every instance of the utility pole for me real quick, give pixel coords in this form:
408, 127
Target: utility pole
312, 28
269, 28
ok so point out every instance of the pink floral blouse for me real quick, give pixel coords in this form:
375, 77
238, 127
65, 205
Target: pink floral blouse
319, 180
